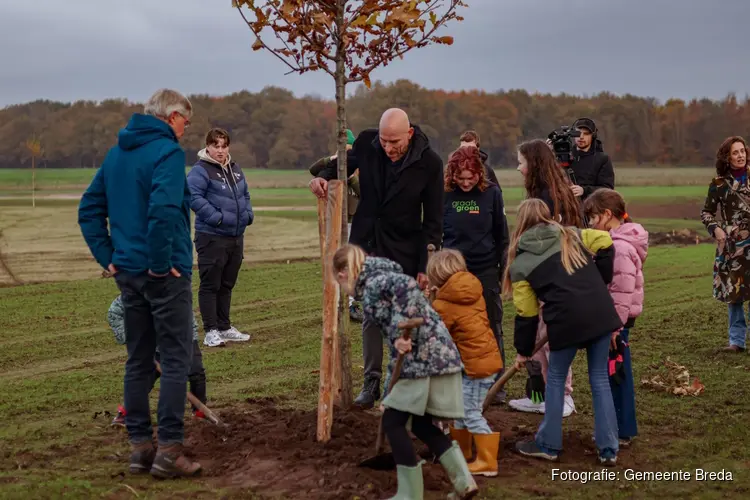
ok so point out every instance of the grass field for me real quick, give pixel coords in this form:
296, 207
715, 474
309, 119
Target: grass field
60, 367
18, 180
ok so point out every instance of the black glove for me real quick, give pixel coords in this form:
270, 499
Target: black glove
535, 383
616, 368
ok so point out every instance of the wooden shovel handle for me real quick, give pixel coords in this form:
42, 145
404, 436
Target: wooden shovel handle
196, 402
507, 376
406, 326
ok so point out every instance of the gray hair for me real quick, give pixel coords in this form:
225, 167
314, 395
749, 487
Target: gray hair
164, 102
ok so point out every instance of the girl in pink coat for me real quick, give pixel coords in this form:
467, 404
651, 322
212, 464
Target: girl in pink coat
605, 209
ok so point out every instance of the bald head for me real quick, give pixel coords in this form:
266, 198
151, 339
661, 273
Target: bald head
395, 133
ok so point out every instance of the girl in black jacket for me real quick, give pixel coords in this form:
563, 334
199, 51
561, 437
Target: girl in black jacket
546, 180
567, 269
474, 223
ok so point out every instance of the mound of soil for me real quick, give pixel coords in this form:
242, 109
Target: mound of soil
273, 451
679, 237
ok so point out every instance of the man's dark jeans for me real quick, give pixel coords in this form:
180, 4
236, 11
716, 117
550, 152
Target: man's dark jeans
219, 262
158, 311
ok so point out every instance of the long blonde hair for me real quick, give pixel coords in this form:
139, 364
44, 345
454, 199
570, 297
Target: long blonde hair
534, 211
443, 265
350, 258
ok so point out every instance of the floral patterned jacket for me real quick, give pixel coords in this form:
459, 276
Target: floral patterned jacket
388, 297
116, 320
732, 265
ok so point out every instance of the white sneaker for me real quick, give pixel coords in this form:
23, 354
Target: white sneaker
526, 405
213, 339
234, 335
569, 407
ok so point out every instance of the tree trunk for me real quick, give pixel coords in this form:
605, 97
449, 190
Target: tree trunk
343, 359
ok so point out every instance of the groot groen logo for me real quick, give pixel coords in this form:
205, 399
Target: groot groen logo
466, 206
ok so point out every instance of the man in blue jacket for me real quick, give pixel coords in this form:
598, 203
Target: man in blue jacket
221, 202
141, 190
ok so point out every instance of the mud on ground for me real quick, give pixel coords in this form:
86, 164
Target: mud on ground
273, 452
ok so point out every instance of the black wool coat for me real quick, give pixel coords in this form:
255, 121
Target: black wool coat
399, 222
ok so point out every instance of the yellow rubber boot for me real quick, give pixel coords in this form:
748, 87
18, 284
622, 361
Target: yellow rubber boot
488, 446
463, 438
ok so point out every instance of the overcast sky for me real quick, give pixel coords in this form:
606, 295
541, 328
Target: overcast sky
94, 49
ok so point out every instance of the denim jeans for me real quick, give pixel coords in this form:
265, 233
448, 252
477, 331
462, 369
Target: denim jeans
737, 325
475, 390
623, 395
158, 312
549, 435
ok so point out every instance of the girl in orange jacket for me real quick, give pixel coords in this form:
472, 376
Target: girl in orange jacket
459, 301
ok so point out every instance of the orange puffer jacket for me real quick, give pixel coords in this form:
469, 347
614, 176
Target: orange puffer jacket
461, 305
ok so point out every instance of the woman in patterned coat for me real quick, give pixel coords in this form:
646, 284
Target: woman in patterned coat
729, 194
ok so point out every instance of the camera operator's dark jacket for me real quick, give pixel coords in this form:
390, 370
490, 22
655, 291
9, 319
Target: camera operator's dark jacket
389, 221
593, 169
488, 169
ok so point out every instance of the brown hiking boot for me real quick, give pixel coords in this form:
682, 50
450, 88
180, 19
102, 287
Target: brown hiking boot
141, 457
171, 462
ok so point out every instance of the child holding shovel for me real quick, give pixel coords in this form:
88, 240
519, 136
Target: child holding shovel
430, 381
460, 303
196, 377
605, 209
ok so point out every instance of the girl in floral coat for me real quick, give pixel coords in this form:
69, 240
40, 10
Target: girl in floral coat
730, 193
430, 381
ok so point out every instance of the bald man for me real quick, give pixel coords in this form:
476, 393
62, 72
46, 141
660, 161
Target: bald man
400, 212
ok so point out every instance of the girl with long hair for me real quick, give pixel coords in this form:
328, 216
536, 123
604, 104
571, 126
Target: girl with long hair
555, 264
605, 209
430, 381
544, 179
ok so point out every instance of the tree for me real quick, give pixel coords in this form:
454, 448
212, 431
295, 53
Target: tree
347, 39
34, 149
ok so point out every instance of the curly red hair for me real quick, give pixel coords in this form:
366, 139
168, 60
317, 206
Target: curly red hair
465, 158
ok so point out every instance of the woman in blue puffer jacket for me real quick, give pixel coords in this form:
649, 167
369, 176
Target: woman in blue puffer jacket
221, 202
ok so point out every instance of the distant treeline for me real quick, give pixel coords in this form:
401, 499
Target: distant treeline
274, 129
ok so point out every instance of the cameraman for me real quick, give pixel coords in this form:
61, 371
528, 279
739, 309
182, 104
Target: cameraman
591, 165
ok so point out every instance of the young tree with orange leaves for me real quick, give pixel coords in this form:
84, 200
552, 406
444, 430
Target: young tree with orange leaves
347, 39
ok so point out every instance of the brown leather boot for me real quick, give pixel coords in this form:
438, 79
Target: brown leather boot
141, 457
171, 462
463, 438
488, 446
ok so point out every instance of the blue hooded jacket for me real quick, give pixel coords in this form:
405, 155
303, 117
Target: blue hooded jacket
141, 188
220, 197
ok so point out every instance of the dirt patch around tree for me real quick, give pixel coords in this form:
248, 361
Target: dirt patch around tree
273, 452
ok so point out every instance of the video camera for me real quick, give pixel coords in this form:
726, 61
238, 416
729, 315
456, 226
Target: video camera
563, 144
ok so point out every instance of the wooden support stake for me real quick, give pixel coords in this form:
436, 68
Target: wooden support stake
330, 312
322, 205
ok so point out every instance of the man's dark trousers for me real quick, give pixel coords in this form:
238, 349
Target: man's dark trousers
158, 312
219, 262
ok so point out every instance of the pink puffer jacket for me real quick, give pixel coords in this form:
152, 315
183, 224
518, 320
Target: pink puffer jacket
631, 247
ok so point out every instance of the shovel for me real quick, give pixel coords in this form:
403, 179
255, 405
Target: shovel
507, 376
198, 404
385, 461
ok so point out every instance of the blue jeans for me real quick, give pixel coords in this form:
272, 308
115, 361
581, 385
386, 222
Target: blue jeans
737, 325
549, 435
158, 311
475, 390
623, 395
